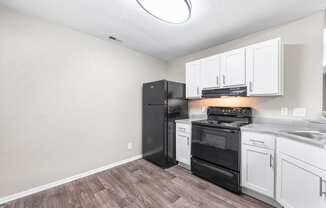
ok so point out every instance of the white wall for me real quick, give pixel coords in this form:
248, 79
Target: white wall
69, 102
303, 68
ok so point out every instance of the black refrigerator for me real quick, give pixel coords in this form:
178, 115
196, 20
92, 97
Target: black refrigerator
163, 103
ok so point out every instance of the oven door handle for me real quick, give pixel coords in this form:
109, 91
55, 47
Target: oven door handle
202, 127
224, 130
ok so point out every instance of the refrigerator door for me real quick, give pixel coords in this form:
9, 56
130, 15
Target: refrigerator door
154, 134
155, 93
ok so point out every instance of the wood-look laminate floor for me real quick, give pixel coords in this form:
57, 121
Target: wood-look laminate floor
138, 184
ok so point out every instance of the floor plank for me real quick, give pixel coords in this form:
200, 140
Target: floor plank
138, 184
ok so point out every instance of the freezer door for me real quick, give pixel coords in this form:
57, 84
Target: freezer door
154, 134
155, 93
176, 90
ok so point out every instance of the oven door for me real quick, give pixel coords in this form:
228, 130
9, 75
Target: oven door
216, 145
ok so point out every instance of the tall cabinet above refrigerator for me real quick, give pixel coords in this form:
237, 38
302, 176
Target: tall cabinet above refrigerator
163, 103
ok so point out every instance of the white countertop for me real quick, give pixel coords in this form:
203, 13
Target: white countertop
282, 127
192, 118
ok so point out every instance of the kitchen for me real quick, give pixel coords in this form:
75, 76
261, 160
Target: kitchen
235, 120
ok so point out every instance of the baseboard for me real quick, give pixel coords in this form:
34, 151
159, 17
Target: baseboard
22, 194
261, 197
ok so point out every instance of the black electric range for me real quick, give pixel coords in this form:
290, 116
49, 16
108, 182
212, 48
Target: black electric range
216, 146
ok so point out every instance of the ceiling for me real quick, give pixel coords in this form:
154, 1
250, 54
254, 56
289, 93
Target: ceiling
213, 21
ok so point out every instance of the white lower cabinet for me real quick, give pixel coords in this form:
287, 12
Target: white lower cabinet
299, 184
296, 178
258, 169
183, 144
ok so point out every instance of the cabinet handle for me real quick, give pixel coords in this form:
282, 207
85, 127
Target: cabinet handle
217, 81
321, 191
250, 86
257, 141
271, 160
197, 90
224, 79
182, 129
188, 141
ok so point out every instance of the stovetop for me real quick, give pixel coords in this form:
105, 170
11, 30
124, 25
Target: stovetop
224, 117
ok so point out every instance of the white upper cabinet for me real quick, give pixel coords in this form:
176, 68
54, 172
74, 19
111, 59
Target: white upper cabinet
264, 68
259, 67
210, 72
233, 68
193, 79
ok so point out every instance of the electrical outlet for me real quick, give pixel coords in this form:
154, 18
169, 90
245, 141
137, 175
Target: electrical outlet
284, 111
129, 145
299, 112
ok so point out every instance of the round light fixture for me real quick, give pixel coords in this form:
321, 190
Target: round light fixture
171, 11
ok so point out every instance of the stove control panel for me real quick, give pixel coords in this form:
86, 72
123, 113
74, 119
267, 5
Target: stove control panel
227, 111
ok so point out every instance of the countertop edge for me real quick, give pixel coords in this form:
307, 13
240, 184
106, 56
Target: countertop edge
279, 133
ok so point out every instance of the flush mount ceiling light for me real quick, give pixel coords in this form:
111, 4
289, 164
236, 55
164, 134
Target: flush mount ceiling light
171, 11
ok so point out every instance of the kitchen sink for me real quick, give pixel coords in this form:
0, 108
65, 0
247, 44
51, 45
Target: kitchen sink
315, 135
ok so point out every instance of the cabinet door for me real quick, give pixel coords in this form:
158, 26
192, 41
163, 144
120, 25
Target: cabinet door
193, 81
264, 68
258, 169
183, 148
210, 72
299, 185
233, 67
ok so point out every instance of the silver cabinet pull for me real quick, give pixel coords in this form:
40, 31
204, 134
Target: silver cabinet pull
321, 184
197, 90
271, 160
257, 141
224, 79
188, 142
182, 129
250, 86
217, 81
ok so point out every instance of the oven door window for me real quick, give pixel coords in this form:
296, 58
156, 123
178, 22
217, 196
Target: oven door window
218, 146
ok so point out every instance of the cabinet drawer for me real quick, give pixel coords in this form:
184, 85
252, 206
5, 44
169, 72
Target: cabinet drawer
258, 139
183, 128
308, 153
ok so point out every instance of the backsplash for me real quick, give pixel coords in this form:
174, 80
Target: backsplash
198, 107
262, 107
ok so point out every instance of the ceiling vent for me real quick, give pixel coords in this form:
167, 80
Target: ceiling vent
113, 38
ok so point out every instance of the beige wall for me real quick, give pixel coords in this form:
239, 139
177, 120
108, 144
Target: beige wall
69, 102
303, 68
